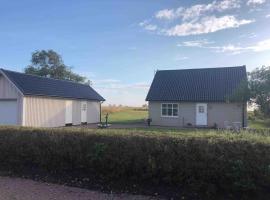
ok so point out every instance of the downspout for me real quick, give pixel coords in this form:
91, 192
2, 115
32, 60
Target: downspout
243, 115
100, 111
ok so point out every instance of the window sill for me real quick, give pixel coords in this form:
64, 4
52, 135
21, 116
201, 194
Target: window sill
170, 116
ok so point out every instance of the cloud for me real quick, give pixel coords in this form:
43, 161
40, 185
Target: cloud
195, 43
150, 27
197, 10
106, 81
165, 14
205, 25
117, 84
267, 16
248, 35
260, 46
147, 26
255, 2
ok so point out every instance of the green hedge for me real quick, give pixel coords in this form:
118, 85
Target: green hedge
203, 161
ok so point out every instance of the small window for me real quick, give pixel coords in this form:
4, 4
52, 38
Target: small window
169, 109
84, 107
201, 109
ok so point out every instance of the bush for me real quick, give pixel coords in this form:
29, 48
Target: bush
207, 162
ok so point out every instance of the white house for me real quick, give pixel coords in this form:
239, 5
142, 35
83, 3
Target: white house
29, 100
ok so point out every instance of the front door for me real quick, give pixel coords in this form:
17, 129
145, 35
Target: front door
83, 112
201, 114
68, 118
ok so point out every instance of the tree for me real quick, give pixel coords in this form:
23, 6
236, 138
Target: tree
259, 84
50, 64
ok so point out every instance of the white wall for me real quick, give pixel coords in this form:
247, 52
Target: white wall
9, 91
50, 112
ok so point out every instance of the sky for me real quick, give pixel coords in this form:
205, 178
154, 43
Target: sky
119, 44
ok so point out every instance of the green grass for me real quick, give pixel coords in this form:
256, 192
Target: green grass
259, 123
126, 115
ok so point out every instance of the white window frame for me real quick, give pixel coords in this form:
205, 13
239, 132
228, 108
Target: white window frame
169, 116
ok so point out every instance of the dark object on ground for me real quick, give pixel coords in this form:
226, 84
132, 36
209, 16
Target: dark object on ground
149, 120
104, 125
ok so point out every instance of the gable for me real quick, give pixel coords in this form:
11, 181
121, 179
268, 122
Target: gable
196, 85
7, 89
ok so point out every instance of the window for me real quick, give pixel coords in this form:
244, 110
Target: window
169, 110
84, 106
201, 109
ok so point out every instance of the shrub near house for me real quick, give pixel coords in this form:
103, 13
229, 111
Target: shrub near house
208, 163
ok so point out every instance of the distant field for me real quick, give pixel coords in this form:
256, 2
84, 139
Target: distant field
124, 114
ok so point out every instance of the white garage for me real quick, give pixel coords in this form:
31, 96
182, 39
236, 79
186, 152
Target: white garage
8, 110
28, 100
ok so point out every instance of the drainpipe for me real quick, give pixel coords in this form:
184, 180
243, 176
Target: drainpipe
243, 115
100, 111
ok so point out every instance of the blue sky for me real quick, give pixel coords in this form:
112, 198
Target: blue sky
119, 44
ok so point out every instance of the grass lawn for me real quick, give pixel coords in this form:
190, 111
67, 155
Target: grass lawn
259, 123
124, 115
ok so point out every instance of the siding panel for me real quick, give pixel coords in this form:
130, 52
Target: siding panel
217, 113
76, 112
220, 112
93, 112
44, 112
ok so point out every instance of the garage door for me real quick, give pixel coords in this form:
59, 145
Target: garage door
8, 112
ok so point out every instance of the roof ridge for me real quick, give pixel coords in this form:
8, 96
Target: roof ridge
44, 77
244, 66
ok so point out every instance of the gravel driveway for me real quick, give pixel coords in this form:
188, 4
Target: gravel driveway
24, 189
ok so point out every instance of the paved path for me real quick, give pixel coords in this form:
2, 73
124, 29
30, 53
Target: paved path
24, 189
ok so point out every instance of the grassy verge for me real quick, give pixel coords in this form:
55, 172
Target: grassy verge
207, 163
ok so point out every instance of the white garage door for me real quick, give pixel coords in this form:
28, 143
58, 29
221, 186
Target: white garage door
8, 112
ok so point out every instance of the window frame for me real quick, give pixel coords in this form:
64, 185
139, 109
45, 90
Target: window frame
169, 116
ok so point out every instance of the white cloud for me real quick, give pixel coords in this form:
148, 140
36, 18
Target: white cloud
147, 26
206, 25
255, 2
150, 27
106, 81
267, 16
260, 46
195, 43
165, 14
248, 35
197, 10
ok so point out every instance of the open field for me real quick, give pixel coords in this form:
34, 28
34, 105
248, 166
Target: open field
124, 115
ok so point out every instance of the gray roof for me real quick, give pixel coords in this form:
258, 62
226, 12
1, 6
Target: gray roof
196, 85
32, 85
